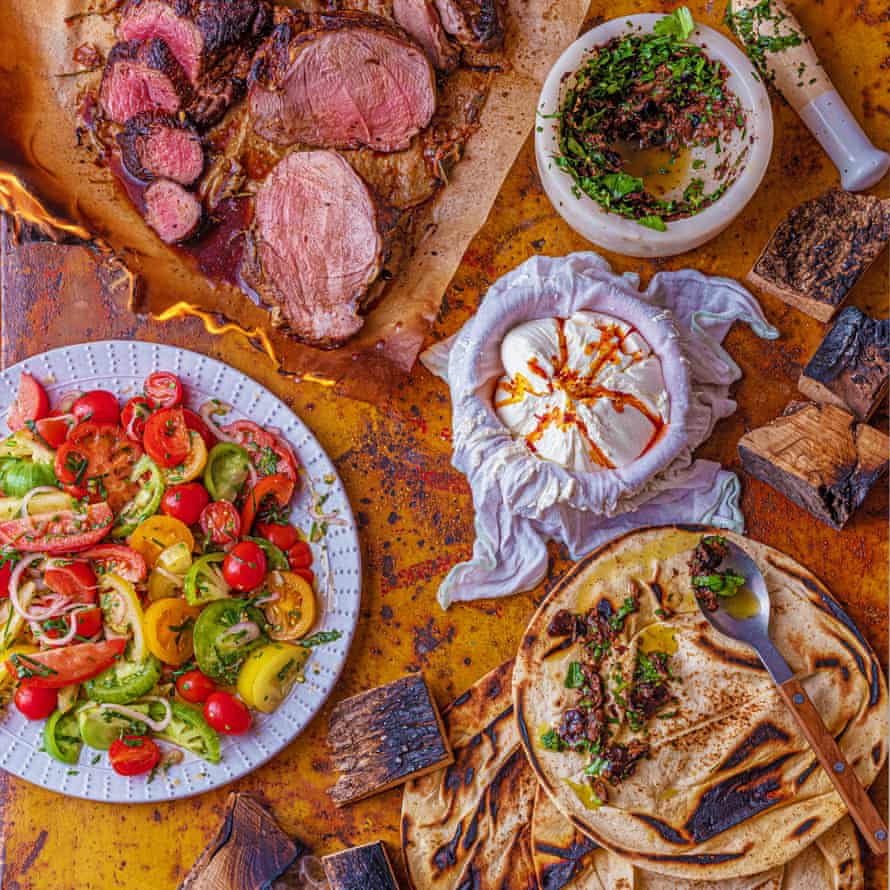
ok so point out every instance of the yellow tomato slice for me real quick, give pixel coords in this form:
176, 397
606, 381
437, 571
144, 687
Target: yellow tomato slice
18, 649
270, 673
122, 612
292, 615
168, 630
158, 533
192, 466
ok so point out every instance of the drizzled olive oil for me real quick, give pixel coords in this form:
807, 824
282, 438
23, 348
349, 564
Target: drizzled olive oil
662, 173
741, 605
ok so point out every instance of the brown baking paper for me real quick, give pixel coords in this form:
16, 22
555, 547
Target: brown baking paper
39, 100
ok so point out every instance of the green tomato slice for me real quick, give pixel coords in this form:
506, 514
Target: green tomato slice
99, 728
145, 503
228, 466
204, 581
21, 476
188, 729
124, 681
221, 651
61, 736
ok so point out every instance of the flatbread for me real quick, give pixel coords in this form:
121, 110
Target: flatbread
731, 788
469, 825
565, 859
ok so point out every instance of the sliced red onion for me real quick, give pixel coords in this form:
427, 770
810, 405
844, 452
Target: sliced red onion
211, 408
68, 400
133, 714
15, 579
249, 629
268, 598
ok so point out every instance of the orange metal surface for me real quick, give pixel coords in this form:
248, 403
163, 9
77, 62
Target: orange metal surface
414, 510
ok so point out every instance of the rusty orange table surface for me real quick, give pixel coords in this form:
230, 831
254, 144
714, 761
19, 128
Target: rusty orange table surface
414, 510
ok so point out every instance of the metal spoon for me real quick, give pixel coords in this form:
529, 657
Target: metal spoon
750, 624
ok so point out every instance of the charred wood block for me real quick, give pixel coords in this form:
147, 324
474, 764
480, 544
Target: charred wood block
818, 456
851, 367
248, 853
820, 250
360, 868
384, 737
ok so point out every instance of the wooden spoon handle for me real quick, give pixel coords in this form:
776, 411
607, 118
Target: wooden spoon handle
845, 780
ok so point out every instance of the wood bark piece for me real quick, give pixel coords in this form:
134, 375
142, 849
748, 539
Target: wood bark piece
360, 868
818, 456
384, 737
248, 853
820, 250
851, 367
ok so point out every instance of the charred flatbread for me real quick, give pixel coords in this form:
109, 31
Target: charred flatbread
469, 825
565, 859
716, 781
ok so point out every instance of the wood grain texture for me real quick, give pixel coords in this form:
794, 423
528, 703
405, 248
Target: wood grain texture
820, 457
820, 250
248, 853
360, 868
833, 761
851, 367
384, 737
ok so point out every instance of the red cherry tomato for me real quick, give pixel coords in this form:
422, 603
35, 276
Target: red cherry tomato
166, 437
120, 559
98, 405
53, 430
244, 568
282, 536
88, 622
185, 502
306, 574
31, 403
300, 556
195, 422
227, 714
195, 687
134, 416
133, 755
72, 578
34, 702
221, 522
269, 453
163, 390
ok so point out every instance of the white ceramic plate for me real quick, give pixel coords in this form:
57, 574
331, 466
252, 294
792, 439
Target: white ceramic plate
615, 232
122, 367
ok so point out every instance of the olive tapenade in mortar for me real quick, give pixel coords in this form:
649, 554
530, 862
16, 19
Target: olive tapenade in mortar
648, 91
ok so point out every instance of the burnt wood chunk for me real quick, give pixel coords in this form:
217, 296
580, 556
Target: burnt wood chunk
360, 868
384, 737
820, 250
818, 456
851, 367
249, 851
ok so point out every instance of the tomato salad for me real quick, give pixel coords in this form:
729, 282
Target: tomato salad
152, 586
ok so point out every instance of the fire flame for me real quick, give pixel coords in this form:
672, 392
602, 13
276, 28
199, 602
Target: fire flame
23, 207
183, 309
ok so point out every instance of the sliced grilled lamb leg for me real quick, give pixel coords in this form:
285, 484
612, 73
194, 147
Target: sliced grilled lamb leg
348, 80
174, 213
421, 21
142, 75
212, 39
475, 24
317, 244
160, 146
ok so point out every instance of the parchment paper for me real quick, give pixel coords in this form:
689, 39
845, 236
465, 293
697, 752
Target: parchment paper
38, 110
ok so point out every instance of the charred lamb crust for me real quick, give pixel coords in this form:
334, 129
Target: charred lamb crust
323, 318
135, 140
174, 213
280, 104
154, 58
475, 24
421, 21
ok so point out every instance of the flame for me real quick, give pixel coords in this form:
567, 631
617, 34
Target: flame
19, 203
212, 326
